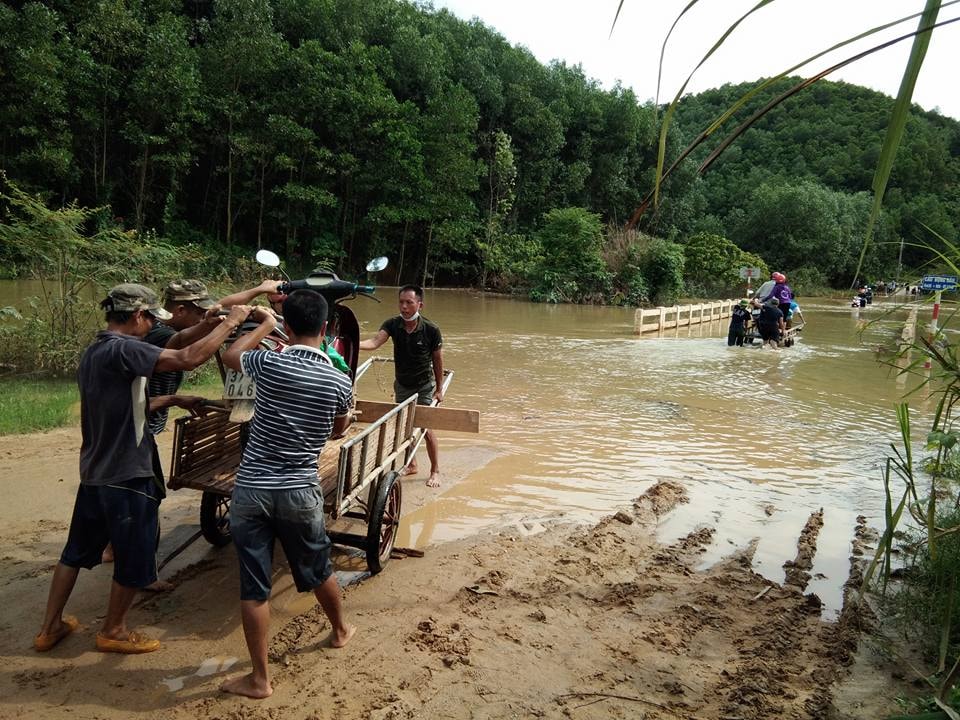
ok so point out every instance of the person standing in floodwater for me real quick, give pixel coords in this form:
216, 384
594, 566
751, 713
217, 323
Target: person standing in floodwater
418, 357
739, 319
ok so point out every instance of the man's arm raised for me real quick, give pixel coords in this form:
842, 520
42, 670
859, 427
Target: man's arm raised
231, 358
203, 349
245, 297
191, 334
376, 341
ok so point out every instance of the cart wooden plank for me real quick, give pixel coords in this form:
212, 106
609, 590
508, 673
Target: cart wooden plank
207, 454
427, 417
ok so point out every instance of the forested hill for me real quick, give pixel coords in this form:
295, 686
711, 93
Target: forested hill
323, 129
336, 130
825, 138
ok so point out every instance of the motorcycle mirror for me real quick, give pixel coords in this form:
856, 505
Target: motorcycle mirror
377, 264
268, 258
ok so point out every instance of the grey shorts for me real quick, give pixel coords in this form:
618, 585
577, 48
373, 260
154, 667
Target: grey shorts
424, 393
295, 517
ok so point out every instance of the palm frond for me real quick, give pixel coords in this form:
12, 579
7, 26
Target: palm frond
898, 118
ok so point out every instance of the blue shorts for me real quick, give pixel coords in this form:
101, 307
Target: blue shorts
295, 517
123, 514
424, 393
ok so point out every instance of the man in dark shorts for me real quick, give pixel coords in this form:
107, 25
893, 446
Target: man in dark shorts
118, 497
300, 400
770, 323
192, 314
418, 359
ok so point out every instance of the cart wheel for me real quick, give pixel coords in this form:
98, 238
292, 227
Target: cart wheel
215, 518
382, 522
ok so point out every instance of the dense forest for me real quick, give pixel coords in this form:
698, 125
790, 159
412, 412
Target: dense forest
334, 130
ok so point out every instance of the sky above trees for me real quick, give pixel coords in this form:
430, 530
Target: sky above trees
771, 40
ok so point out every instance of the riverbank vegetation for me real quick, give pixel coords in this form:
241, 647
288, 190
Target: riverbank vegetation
336, 131
33, 405
915, 572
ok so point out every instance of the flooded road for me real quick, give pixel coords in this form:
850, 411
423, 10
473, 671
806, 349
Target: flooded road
579, 416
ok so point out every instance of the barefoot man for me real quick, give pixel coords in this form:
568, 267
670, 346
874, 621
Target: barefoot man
418, 357
301, 399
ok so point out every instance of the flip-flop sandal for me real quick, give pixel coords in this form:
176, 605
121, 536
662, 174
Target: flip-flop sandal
42, 643
135, 644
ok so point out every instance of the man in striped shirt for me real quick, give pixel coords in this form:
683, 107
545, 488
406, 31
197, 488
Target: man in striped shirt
301, 399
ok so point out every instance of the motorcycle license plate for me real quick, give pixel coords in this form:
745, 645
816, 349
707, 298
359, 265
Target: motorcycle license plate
237, 386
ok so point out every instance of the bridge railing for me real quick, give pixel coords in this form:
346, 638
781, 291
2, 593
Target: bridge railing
658, 319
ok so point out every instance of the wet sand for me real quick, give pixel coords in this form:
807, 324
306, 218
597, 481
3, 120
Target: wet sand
594, 621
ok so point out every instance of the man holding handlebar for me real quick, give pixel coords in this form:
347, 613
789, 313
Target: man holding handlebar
118, 497
303, 399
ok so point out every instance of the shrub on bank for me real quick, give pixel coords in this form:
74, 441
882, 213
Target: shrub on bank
74, 255
925, 605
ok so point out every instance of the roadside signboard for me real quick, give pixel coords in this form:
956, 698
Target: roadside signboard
748, 273
938, 282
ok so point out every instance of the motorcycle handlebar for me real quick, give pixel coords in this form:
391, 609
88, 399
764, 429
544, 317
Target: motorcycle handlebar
330, 286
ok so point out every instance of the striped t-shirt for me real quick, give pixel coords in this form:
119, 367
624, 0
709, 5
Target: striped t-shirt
299, 393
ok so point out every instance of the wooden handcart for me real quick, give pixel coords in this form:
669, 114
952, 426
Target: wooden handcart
359, 473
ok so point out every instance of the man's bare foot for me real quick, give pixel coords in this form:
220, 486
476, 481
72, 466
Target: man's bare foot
339, 639
107, 556
434, 479
248, 687
409, 470
159, 586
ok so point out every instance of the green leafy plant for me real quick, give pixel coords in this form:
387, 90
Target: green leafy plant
571, 267
74, 261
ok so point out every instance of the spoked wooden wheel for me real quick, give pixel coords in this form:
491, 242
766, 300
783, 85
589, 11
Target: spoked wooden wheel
215, 518
383, 519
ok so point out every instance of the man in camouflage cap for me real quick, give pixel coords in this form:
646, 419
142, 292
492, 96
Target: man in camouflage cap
188, 306
192, 315
181, 291
130, 297
118, 496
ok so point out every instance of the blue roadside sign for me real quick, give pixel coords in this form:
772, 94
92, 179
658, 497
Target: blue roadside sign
938, 282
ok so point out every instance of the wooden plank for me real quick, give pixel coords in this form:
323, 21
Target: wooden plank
430, 418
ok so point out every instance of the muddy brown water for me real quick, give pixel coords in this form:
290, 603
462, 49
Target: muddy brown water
579, 416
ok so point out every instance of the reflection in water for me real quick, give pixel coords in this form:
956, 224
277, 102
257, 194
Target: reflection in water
584, 416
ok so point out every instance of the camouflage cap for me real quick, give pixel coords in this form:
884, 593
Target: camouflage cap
188, 291
130, 297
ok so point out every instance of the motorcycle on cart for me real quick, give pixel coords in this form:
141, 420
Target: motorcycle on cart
359, 473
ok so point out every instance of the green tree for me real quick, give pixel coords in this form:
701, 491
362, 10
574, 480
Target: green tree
69, 260
663, 269
499, 186
35, 135
158, 124
712, 265
571, 267
238, 55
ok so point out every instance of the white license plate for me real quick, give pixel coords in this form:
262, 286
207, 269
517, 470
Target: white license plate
237, 386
